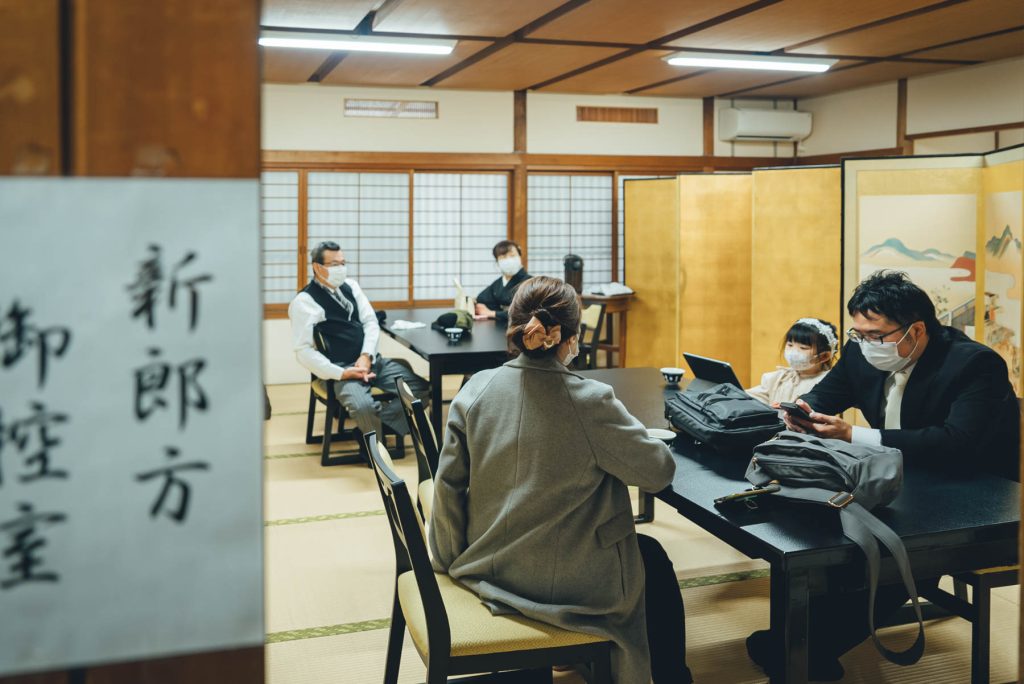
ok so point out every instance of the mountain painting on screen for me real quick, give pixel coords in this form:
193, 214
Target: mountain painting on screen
1003, 276
933, 238
893, 250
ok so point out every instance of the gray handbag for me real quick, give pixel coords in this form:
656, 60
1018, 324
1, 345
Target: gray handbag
853, 479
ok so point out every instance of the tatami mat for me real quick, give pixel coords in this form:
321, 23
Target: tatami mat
330, 575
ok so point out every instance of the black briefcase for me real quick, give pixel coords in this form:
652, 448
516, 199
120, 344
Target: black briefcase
724, 417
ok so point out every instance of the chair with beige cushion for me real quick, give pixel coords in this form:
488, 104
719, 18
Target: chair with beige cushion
452, 630
591, 325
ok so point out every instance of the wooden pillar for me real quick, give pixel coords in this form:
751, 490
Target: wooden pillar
114, 88
519, 185
906, 146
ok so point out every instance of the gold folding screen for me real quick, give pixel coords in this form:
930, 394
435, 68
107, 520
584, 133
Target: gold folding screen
688, 256
652, 261
795, 257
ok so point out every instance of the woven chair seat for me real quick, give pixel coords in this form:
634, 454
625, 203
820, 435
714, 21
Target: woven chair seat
474, 630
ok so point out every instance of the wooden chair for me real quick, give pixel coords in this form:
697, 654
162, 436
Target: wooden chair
591, 327
424, 445
452, 630
322, 391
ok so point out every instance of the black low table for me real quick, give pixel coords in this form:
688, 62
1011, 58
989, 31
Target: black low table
481, 349
949, 522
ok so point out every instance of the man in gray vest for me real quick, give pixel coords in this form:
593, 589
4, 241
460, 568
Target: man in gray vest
335, 331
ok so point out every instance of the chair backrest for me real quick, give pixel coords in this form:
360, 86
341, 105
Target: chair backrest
424, 442
591, 321
410, 545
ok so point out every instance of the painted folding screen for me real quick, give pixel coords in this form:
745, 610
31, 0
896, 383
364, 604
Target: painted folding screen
953, 224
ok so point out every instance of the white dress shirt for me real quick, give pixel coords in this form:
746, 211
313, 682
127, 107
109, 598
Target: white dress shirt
304, 314
893, 399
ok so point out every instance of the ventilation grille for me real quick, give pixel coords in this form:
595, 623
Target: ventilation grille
644, 115
391, 109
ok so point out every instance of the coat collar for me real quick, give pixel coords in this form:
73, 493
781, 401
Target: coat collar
549, 364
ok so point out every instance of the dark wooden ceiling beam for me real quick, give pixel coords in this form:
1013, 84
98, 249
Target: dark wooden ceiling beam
506, 41
664, 82
659, 42
874, 24
876, 60
327, 66
961, 41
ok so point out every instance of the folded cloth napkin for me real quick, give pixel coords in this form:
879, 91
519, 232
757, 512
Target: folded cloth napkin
407, 325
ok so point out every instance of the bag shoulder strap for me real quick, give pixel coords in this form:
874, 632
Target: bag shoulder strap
865, 530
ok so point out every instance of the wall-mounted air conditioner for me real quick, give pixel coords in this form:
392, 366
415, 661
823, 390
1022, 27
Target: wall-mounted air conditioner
775, 125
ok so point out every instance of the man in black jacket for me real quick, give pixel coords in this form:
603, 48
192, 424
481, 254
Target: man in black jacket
928, 390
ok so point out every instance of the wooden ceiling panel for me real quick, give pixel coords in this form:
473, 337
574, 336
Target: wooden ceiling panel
315, 14
795, 21
521, 65
718, 81
290, 66
869, 74
618, 77
362, 68
632, 21
964, 20
463, 17
998, 47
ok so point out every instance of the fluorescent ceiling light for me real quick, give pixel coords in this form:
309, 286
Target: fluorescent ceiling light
312, 40
718, 60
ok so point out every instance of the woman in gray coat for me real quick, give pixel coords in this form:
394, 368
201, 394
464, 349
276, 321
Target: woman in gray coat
531, 510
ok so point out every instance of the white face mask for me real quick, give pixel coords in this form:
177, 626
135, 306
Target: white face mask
574, 351
336, 275
509, 266
798, 359
886, 357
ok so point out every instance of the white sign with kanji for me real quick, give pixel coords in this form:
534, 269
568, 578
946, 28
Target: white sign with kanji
130, 420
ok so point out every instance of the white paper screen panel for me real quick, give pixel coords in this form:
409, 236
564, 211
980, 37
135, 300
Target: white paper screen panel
279, 222
457, 219
367, 214
570, 214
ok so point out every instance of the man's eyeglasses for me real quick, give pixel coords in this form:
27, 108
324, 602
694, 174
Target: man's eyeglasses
879, 338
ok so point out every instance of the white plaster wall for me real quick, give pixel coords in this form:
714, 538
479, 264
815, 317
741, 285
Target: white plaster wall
311, 117
552, 128
1011, 137
956, 144
281, 368
751, 149
981, 95
862, 119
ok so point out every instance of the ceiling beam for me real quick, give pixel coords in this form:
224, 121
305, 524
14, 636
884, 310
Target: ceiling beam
327, 66
506, 41
658, 42
874, 24
876, 60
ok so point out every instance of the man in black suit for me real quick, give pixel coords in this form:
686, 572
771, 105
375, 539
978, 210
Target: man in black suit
928, 390
925, 389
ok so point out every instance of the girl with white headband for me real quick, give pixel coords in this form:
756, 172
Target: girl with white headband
810, 350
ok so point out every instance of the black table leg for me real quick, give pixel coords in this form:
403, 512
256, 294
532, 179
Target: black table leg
790, 602
645, 509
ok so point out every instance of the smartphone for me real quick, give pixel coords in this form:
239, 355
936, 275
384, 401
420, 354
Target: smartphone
794, 410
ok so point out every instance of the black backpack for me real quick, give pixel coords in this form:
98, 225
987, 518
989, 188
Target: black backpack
723, 417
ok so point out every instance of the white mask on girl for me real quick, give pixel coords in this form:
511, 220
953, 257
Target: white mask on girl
574, 351
798, 359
